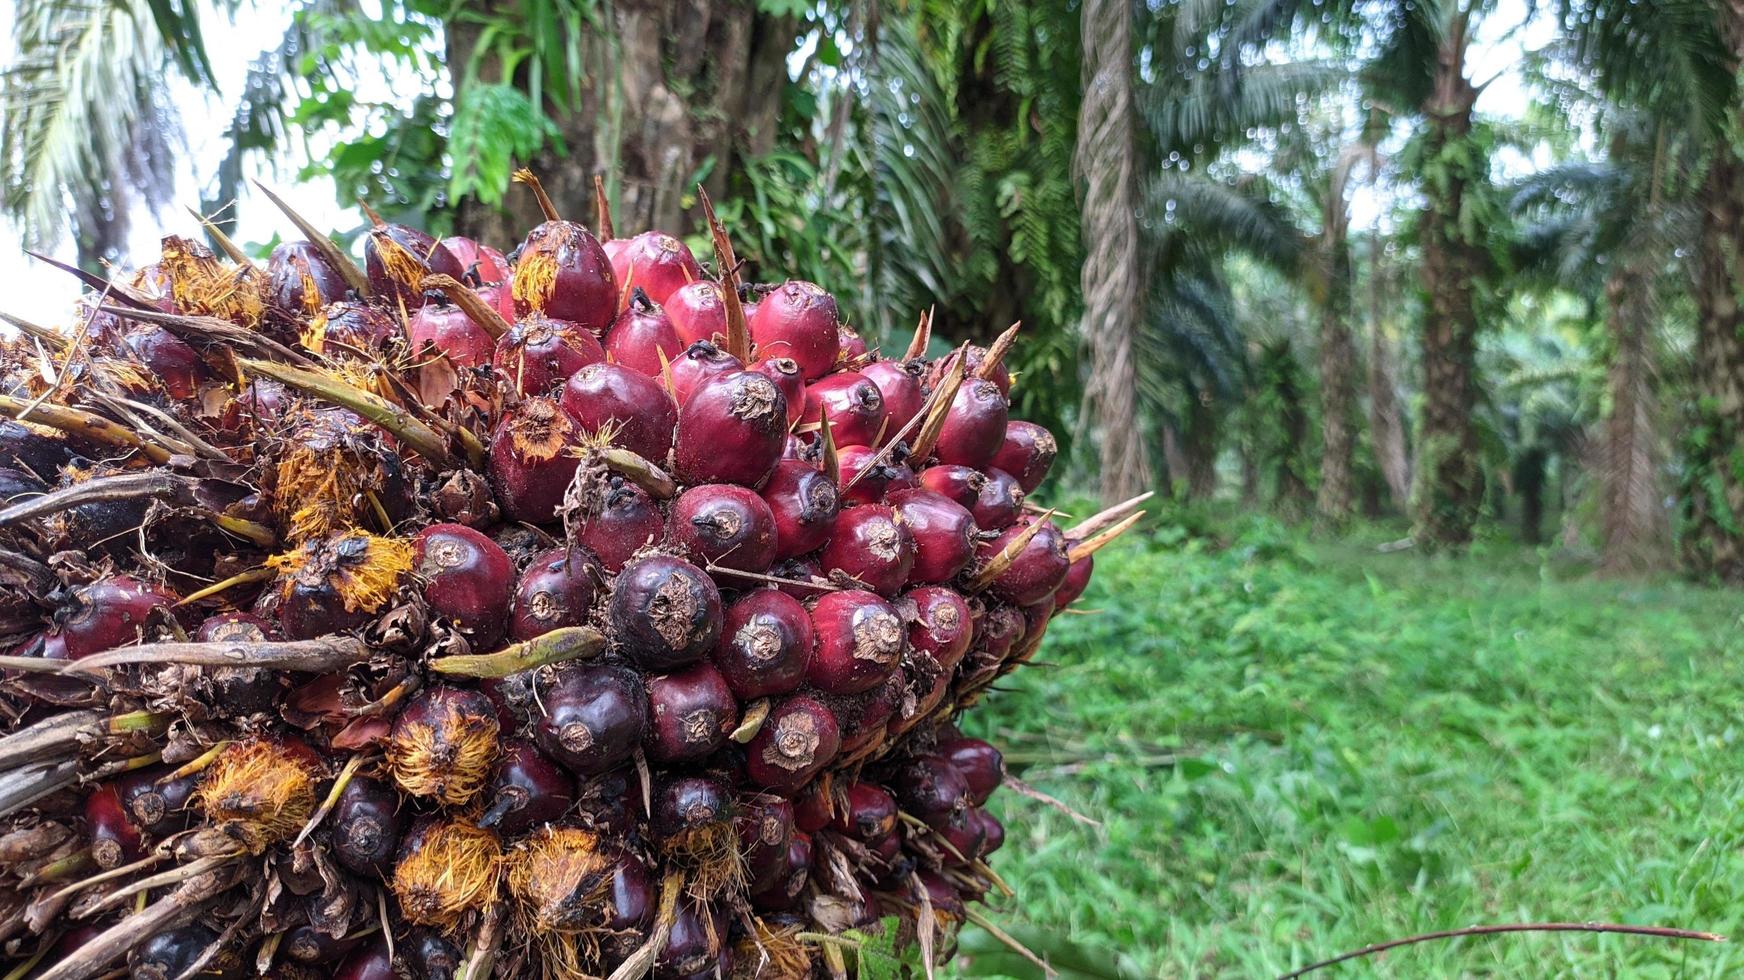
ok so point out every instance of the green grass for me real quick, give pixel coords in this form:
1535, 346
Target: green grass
1297, 750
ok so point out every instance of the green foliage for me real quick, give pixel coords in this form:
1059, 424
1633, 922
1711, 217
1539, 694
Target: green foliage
1297, 750
495, 125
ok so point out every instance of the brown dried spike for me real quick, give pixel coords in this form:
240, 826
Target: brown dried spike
1108, 517
997, 565
923, 335
1090, 546
470, 302
225, 245
943, 396
526, 176
996, 353
602, 209
561, 880
738, 334
85, 425
336, 258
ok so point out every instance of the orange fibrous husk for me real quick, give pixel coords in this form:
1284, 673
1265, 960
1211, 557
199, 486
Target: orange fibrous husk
711, 858
364, 578
399, 262
561, 881
318, 490
129, 376
450, 872
259, 790
535, 279
771, 952
313, 336
448, 760
541, 430
200, 284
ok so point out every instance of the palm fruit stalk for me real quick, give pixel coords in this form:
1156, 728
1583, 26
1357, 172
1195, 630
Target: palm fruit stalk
585, 614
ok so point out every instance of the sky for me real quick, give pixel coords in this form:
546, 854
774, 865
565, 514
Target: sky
1504, 36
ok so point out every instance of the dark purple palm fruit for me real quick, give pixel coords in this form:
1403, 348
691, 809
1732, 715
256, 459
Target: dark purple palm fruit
174, 364
982, 765
872, 546
870, 476
1027, 453
335, 584
697, 363
626, 521
944, 897
170, 953
974, 428
852, 404
944, 534
692, 823
115, 840
372, 962
790, 877
530, 465
300, 281
655, 263
538, 354
864, 717
443, 743
941, 624
397, 260
960, 483
468, 579
721, 524
796, 742
697, 947
1076, 581
803, 503
765, 825
1040, 565
698, 311
992, 832
156, 804
642, 335
349, 325
731, 430
446, 328
867, 812
784, 371
1000, 502
430, 957
859, 642
594, 716
766, 644
40, 454
308, 945
931, 788
692, 712
900, 384
664, 612
801, 578
998, 630
563, 272
526, 789
634, 905
798, 320
111, 612
366, 827
556, 590
636, 408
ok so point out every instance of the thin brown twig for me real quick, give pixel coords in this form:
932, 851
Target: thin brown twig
1660, 932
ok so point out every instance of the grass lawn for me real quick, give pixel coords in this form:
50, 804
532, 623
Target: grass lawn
1300, 749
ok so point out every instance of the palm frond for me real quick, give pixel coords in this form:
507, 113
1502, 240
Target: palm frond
1231, 216
1667, 56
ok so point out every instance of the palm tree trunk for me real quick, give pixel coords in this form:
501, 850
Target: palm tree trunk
1450, 487
1337, 391
1110, 276
1632, 520
1201, 438
1386, 427
678, 84
1713, 487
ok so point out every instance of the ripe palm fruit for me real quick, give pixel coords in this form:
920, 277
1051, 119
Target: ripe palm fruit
643, 654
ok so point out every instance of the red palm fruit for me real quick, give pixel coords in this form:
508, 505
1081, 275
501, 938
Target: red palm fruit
868, 812
982, 766
941, 624
349, 326
963, 831
852, 345
944, 897
174, 364
468, 579
372, 962
654, 262
530, 467
885, 477
900, 384
926, 704
766, 643
691, 711
1000, 502
443, 743
398, 258
974, 428
445, 327
594, 717
998, 631
720, 524
1039, 568
526, 790
1027, 453
796, 742
697, 363
556, 590
798, 447
114, 838
931, 788
784, 371
110, 612
859, 642
731, 430
790, 877
765, 825
698, 311
563, 272
500, 296
635, 406
628, 520
977, 356
697, 947
643, 334
865, 717
944, 534
801, 578
300, 280
664, 612
1076, 581
960, 483
804, 504
170, 953
480, 264
872, 546
538, 354
853, 405
798, 320
366, 827
814, 809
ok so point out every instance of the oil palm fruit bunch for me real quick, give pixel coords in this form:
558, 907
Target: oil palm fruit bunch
566, 613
